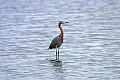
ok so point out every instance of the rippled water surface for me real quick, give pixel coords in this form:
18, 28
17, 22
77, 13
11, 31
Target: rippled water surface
91, 48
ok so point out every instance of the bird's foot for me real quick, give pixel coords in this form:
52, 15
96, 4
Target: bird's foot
55, 60
58, 60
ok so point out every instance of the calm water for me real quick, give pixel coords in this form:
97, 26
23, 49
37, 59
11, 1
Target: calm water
91, 48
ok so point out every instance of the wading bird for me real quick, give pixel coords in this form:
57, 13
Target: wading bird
57, 41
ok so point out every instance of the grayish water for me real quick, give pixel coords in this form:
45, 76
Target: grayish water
91, 48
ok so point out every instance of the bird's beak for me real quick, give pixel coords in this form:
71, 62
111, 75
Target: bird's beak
66, 22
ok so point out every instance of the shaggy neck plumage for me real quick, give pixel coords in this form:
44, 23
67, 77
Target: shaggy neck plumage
61, 34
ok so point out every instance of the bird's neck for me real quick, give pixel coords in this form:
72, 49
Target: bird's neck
61, 34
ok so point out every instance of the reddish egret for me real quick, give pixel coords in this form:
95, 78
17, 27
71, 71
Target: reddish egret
57, 41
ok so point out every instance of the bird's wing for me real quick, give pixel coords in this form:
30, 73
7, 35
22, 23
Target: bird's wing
54, 42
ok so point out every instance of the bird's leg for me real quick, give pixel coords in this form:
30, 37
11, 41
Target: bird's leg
56, 53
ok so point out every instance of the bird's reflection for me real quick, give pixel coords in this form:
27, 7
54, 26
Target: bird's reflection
56, 63
58, 69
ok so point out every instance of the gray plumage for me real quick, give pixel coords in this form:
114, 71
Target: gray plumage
55, 42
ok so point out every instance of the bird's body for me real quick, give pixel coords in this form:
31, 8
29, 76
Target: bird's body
57, 41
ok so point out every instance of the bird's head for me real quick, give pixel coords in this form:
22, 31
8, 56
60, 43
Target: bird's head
62, 22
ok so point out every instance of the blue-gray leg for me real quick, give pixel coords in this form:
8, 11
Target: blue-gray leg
56, 54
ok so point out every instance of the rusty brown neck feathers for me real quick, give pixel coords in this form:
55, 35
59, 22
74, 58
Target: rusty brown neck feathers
61, 34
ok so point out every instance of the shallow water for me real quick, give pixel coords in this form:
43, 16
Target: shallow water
91, 48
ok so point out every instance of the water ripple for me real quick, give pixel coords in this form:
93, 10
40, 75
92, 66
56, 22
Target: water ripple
91, 48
